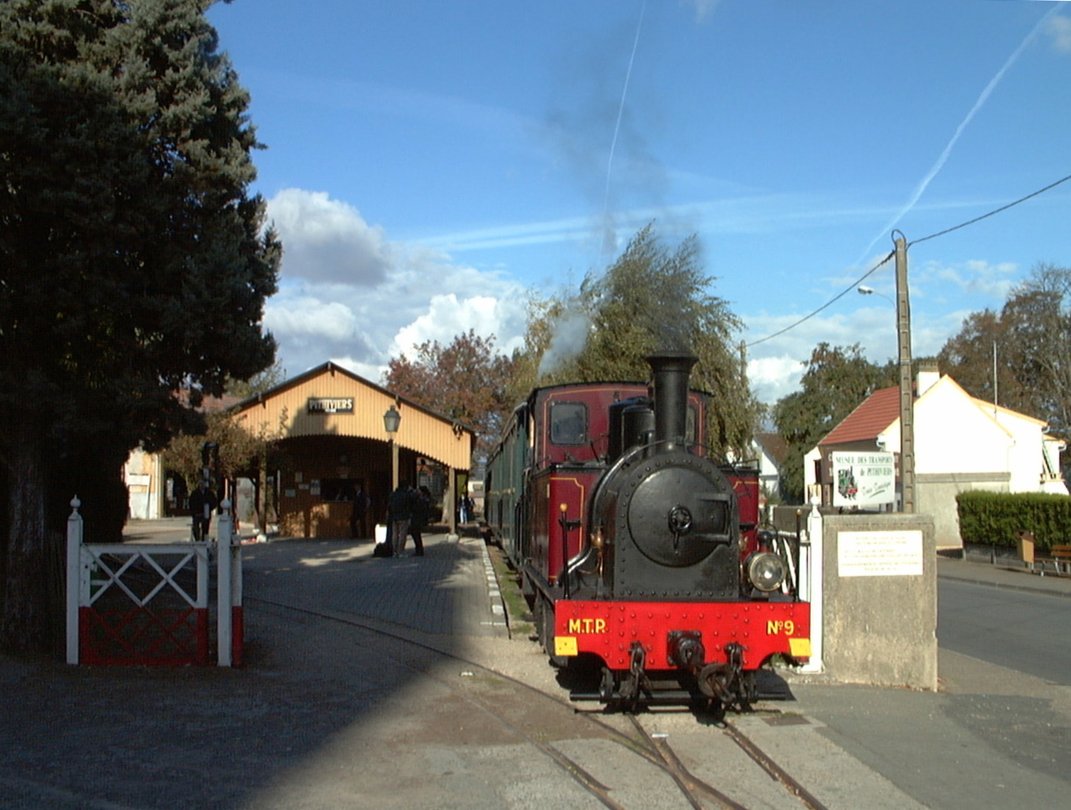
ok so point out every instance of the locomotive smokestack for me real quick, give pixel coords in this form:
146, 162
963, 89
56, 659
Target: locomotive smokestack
670, 371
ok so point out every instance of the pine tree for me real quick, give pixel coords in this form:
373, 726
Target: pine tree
133, 261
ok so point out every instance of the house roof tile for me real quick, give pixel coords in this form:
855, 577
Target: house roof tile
869, 419
774, 445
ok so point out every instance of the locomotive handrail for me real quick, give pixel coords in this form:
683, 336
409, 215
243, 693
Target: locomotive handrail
784, 539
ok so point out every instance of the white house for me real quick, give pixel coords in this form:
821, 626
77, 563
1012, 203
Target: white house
961, 443
770, 450
144, 477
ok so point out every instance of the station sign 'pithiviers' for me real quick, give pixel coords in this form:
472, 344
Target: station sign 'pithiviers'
330, 404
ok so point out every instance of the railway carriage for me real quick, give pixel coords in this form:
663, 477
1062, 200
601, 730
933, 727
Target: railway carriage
636, 550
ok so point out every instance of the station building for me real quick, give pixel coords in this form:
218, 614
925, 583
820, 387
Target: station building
332, 430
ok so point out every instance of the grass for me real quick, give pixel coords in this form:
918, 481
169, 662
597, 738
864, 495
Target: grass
509, 583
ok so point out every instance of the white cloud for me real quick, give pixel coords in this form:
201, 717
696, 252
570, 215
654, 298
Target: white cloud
327, 240
310, 318
349, 294
1059, 31
975, 277
448, 315
774, 377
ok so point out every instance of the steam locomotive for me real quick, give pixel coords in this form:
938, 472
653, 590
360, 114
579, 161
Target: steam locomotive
637, 552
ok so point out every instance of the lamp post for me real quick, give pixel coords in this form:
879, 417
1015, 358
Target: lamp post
391, 420
862, 289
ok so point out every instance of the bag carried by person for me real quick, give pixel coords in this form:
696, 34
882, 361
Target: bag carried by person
383, 547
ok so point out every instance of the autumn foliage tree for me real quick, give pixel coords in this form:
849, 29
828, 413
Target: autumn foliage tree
238, 449
466, 380
1020, 357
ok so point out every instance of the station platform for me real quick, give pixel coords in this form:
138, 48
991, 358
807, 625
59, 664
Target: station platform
450, 591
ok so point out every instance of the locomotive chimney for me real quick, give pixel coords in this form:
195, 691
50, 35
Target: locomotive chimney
670, 371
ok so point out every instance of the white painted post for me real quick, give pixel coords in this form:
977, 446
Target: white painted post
237, 611
814, 582
74, 577
224, 631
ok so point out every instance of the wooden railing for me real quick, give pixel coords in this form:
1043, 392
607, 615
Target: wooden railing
148, 603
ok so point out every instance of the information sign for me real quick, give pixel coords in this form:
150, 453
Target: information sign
863, 479
879, 554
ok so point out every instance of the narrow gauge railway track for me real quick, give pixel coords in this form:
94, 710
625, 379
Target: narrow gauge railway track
652, 748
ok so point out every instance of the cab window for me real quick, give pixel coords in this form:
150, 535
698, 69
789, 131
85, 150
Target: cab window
568, 423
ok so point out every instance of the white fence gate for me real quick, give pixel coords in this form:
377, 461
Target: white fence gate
148, 604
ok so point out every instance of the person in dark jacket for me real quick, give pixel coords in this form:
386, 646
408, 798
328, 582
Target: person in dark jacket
360, 508
399, 512
418, 518
202, 503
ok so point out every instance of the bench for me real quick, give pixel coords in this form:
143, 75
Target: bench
1061, 554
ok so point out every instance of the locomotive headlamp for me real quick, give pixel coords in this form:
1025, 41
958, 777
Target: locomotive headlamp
765, 571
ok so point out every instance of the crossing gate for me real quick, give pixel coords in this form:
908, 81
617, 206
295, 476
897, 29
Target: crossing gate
149, 603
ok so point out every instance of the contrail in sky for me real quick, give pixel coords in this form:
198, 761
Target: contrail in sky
940, 163
620, 112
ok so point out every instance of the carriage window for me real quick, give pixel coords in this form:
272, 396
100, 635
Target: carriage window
568, 423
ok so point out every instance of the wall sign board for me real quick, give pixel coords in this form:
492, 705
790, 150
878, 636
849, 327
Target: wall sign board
879, 554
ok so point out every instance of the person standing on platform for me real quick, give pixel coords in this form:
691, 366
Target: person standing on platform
400, 510
202, 502
419, 517
360, 509
465, 509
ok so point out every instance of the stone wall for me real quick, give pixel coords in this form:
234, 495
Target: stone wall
936, 496
880, 600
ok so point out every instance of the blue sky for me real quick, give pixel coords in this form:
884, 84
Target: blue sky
431, 164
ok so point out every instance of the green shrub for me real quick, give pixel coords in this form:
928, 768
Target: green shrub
997, 518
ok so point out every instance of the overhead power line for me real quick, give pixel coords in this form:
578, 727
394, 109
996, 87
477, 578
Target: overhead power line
827, 304
995, 211
892, 253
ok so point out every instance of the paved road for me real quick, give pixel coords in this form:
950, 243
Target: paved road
1017, 629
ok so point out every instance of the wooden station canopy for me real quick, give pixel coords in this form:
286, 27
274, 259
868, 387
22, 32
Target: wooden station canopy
329, 407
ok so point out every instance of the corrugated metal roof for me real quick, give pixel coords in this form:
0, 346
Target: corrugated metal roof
286, 410
868, 420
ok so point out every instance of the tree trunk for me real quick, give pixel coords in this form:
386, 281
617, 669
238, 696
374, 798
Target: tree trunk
29, 571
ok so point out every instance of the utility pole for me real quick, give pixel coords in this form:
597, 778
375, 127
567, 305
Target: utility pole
994, 376
907, 405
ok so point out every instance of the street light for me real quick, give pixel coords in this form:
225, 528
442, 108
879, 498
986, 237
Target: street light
862, 289
391, 420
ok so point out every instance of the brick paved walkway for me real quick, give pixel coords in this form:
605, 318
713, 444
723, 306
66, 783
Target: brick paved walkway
449, 591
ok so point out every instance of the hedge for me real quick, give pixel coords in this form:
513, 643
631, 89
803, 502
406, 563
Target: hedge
997, 518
